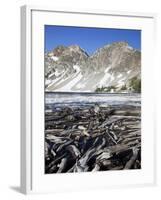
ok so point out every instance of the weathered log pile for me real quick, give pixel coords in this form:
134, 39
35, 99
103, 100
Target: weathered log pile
92, 138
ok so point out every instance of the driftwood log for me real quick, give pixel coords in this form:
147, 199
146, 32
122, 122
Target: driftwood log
93, 138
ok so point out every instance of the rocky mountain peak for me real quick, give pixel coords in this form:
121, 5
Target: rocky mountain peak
111, 66
120, 44
58, 50
74, 47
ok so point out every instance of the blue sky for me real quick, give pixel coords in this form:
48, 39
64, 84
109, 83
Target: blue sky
89, 39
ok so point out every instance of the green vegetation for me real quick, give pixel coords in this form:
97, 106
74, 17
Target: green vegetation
105, 89
135, 84
123, 88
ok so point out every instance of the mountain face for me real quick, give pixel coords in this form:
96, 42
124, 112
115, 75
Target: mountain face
115, 67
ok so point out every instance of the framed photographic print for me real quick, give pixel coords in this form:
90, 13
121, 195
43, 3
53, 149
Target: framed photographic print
87, 104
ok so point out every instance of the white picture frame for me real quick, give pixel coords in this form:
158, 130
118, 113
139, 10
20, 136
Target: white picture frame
33, 179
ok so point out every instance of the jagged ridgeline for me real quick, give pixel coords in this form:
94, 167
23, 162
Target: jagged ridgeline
112, 68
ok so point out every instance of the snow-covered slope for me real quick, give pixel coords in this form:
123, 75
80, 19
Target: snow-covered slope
72, 69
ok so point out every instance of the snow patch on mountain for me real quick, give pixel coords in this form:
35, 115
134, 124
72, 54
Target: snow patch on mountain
54, 58
121, 82
129, 47
120, 75
104, 80
73, 80
77, 68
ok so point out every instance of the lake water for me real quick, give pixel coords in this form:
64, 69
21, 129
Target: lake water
56, 99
